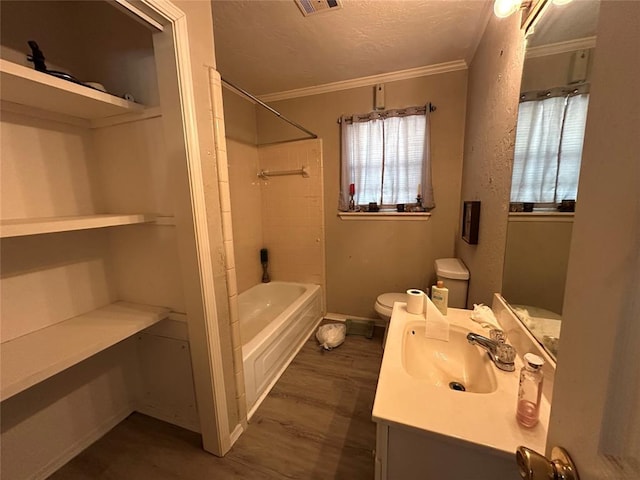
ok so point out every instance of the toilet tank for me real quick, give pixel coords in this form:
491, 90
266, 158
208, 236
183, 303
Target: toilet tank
455, 276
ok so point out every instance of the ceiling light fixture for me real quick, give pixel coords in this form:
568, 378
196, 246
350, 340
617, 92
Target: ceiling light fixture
505, 8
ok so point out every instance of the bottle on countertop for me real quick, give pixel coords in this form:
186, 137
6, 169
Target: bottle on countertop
440, 296
530, 391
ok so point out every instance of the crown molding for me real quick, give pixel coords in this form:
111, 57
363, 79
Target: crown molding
561, 47
366, 81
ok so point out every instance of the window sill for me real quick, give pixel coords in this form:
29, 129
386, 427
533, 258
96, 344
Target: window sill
424, 216
541, 216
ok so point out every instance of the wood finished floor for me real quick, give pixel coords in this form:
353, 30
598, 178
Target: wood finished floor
315, 424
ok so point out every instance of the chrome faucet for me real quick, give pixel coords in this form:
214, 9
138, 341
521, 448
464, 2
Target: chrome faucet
502, 354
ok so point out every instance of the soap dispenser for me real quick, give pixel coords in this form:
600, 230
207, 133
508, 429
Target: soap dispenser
440, 296
530, 391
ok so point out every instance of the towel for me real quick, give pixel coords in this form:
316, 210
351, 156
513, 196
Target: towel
484, 316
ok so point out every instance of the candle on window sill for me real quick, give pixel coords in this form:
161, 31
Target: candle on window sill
419, 189
352, 192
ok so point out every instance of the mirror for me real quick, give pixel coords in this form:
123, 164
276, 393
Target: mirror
553, 102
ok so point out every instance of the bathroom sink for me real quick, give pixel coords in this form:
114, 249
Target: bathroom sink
455, 364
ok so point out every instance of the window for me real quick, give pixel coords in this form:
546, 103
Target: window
386, 156
548, 148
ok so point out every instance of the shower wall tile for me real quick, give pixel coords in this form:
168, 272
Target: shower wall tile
235, 334
237, 356
229, 254
242, 402
293, 212
232, 282
246, 211
227, 227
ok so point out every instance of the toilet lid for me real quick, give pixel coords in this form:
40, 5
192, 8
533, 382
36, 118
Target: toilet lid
388, 299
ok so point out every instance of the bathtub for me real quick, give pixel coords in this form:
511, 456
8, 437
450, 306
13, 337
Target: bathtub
276, 319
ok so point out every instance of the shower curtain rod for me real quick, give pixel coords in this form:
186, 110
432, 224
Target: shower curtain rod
272, 110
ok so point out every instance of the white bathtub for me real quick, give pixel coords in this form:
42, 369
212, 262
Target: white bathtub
276, 318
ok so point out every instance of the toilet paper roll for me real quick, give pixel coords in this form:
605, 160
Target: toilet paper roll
415, 299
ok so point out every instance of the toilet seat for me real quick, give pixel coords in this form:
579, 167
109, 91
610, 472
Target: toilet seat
385, 301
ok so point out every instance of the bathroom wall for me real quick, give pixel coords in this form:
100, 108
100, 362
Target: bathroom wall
535, 261
367, 257
550, 71
492, 112
212, 149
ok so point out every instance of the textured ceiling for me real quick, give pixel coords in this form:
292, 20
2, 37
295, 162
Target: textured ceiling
268, 46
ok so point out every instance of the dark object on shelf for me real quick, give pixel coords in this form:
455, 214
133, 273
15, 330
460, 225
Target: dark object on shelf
373, 207
400, 207
471, 222
528, 206
567, 206
516, 207
37, 57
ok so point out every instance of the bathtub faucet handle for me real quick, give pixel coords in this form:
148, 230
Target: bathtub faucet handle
264, 260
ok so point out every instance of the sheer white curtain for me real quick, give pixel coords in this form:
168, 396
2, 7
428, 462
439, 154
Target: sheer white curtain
386, 156
548, 149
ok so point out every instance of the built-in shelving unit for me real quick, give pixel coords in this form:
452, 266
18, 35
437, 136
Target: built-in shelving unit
88, 191
36, 226
38, 355
26, 86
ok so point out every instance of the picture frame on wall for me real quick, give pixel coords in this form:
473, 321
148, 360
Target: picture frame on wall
471, 222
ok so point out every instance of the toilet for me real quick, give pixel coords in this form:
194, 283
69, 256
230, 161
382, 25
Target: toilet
384, 308
451, 271
455, 276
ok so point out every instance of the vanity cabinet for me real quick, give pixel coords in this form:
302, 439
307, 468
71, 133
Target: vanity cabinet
428, 429
420, 455
93, 310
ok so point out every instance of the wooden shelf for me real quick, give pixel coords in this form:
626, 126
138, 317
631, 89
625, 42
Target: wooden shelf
37, 226
34, 357
25, 86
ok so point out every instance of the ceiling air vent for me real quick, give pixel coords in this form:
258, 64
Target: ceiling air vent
311, 7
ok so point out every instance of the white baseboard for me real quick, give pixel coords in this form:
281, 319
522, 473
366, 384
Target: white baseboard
82, 444
235, 435
187, 424
339, 317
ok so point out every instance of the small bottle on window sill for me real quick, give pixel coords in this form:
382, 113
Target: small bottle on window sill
352, 192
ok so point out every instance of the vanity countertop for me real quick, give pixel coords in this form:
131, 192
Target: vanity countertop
484, 419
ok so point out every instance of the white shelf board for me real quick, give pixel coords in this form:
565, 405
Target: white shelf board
34, 357
26, 86
37, 226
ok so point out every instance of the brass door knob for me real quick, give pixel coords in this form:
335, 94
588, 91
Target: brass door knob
533, 466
